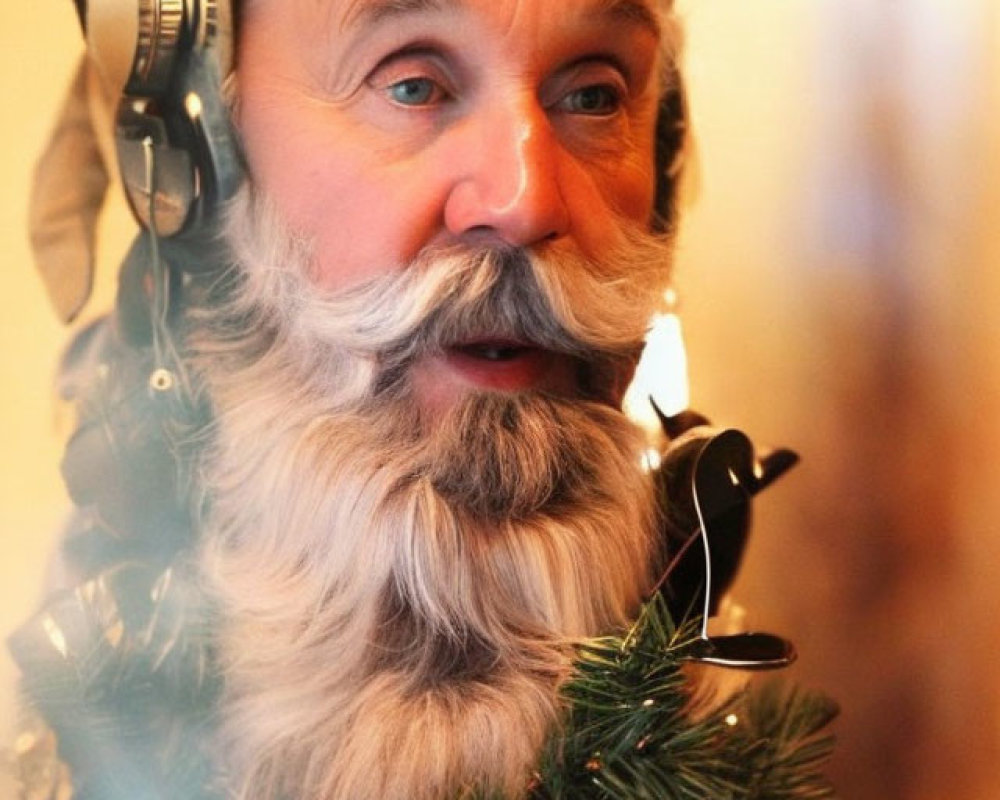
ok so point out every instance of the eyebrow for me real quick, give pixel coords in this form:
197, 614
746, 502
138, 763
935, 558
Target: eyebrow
632, 11
370, 12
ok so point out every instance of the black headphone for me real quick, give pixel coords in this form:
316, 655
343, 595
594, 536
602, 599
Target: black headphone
169, 59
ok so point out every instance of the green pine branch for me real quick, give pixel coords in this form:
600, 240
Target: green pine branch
636, 728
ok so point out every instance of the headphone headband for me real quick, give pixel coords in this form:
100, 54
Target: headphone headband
158, 46
137, 44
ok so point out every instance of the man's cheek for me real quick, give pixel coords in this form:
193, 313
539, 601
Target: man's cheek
370, 218
626, 185
363, 229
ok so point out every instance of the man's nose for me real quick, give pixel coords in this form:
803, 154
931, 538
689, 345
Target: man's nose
507, 179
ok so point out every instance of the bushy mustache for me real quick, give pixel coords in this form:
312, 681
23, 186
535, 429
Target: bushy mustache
513, 306
452, 297
553, 298
505, 303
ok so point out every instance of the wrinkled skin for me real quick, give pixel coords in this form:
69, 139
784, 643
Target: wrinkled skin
381, 129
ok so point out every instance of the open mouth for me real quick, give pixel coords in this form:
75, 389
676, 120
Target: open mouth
506, 364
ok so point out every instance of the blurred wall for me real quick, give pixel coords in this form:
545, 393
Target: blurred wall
39, 46
838, 275
41, 43
838, 280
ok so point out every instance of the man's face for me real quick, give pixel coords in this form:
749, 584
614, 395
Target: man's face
381, 128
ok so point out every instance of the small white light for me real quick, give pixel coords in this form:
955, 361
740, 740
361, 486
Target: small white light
651, 460
56, 635
732, 720
161, 380
192, 104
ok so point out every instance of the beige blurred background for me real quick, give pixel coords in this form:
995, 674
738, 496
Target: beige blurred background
839, 276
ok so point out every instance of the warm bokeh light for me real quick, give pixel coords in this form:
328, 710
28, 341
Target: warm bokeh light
661, 374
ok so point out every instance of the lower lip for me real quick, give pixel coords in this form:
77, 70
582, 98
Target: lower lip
527, 370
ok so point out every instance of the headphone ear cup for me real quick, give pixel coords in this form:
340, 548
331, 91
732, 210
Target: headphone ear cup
159, 177
168, 60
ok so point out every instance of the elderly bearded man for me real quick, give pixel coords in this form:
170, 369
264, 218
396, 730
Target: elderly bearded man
423, 488
417, 488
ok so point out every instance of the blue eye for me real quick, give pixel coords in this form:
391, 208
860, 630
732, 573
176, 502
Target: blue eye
415, 92
597, 100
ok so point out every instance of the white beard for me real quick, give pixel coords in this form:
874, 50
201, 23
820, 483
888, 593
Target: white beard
399, 598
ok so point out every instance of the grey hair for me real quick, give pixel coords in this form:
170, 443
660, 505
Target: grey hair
400, 600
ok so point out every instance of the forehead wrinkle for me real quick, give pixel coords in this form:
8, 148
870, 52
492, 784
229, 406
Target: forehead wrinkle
363, 13
369, 12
